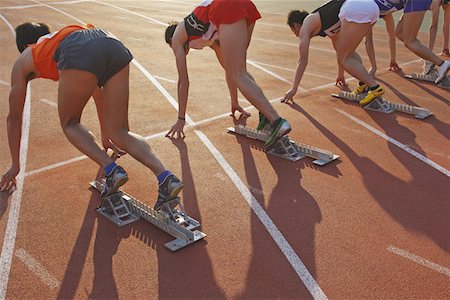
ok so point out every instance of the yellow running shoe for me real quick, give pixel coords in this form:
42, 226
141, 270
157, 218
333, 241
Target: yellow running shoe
360, 89
372, 95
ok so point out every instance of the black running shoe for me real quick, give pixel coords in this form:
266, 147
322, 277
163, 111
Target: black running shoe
115, 179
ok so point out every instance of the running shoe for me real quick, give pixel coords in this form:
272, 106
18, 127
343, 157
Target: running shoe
442, 71
263, 121
372, 95
278, 129
428, 66
115, 179
360, 89
168, 190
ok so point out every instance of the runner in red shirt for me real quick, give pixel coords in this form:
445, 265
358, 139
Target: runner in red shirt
231, 22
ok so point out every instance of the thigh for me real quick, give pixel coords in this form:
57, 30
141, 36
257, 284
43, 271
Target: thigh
116, 96
250, 33
350, 37
234, 40
74, 90
411, 25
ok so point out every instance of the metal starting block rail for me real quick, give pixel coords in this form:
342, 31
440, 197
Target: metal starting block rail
431, 78
287, 148
382, 105
122, 209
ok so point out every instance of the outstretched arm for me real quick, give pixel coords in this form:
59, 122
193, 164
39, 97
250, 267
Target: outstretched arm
179, 40
231, 87
303, 49
390, 28
19, 79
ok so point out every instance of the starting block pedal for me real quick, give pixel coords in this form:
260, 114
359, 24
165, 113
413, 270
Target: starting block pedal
287, 148
122, 209
431, 78
382, 105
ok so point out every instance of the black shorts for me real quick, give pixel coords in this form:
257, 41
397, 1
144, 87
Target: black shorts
92, 50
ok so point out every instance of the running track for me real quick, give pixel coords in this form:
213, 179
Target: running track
375, 224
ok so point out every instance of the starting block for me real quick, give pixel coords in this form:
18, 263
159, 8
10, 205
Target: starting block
287, 148
382, 105
431, 78
122, 209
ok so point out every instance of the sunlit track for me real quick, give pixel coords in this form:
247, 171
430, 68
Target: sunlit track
301, 232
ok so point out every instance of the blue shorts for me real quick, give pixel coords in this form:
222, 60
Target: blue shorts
92, 50
417, 5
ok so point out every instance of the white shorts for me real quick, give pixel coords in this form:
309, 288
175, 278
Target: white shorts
359, 11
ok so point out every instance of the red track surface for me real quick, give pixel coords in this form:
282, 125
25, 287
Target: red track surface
344, 221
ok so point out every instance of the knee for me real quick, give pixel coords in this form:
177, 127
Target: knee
68, 124
342, 58
118, 137
408, 44
236, 76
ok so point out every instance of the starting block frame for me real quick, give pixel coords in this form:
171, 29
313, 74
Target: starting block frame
382, 105
122, 209
287, 148
431, 78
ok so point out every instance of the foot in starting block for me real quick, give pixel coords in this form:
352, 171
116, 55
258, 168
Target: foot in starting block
382, 105
430, 78
287, 148
122, 209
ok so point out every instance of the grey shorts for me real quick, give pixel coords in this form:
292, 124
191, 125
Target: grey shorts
92, 50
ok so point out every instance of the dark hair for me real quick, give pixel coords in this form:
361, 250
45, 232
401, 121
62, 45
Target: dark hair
29, 33
296, 16
169, 31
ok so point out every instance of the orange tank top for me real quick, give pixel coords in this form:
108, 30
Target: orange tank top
46, 46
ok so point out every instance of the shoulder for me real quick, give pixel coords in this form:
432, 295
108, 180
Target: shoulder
311, 25
24, 64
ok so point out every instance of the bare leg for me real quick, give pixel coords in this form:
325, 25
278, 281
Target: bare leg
116, 92
234, 40
409, 30
445, 26
350, 37
75, 89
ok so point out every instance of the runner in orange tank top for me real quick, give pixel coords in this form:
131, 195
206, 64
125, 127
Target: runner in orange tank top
87, 61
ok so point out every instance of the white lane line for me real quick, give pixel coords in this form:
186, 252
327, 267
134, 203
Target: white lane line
310, 47
132, 12
58, 10
397, 143
49, 102
63, 163
37, 5
164, 79
254, 64
293, 70
419, 260
16, 199
37, 269
299, 267
14, 213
